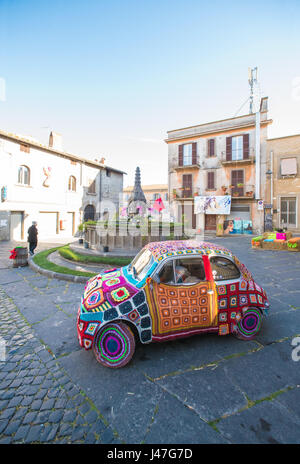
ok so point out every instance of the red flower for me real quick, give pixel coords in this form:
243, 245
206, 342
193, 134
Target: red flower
13, 254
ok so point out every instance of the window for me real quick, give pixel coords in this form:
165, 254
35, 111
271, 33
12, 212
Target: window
72, 184
288, 211
24, 175
237, 182
223, 269
237, 148
89, 213
25, 148
187, 185
187, 154
211, 180
288, 166
108, 173
166, 275
211, 147
189, 271
141, 264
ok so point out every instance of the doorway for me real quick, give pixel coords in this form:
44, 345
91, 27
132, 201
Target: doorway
210, 222
17, 225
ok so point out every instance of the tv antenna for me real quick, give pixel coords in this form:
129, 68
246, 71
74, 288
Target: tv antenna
254, 90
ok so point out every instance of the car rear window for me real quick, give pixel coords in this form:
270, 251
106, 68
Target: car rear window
224, 269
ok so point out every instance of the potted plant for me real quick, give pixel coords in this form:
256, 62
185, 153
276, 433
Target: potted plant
81, 233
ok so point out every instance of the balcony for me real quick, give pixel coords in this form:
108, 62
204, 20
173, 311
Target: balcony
184, 193
192, 162
250, 158
242, 191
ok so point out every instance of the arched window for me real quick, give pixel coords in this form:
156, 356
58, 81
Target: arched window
72, 184
23, 175
89, 213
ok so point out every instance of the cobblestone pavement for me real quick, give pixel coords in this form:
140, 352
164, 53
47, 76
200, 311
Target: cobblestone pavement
205, 389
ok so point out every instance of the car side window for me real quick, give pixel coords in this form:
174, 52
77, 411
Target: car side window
223, 269
189, 271
166, 274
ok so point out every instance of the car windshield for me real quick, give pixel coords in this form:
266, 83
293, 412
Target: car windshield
141, 264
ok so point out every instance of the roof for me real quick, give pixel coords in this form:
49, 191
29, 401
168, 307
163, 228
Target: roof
283, 137
35, 144
163, 250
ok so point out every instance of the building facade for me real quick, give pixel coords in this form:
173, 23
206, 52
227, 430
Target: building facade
217, 159
57, 189
152, 192
282, 196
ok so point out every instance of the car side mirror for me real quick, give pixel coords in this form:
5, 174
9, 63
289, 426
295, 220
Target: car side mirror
156, 278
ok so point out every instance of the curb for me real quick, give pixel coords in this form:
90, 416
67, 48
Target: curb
56, 275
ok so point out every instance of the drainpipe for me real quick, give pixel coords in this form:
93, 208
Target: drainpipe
257, 154
271, 186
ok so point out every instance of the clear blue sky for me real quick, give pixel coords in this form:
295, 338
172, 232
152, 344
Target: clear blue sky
113, 76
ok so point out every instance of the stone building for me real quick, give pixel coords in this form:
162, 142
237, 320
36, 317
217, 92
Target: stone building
216, 159
48, 185
282, 193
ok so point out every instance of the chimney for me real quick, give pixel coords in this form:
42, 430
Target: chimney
55, 141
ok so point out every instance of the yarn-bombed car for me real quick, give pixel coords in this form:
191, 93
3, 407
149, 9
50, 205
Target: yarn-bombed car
171, 289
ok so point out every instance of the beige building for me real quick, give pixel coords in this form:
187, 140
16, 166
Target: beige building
216, 159
152, 192
282, 195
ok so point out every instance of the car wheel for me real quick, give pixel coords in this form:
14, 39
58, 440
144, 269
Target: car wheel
114, 345
249, 325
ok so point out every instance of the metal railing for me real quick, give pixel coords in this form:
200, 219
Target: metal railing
186, 162
232, 159
184, 192
242, 191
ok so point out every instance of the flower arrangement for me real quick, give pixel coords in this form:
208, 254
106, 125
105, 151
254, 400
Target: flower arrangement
13, 254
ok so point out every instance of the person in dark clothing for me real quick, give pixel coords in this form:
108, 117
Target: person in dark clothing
32, 237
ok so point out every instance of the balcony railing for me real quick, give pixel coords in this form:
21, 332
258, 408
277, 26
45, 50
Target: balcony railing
184, 192
242, 191
245, 158
190, 162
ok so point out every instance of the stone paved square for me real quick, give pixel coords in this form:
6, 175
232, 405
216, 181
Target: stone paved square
205, 389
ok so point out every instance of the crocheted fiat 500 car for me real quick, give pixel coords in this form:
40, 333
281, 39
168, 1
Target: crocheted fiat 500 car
171, 289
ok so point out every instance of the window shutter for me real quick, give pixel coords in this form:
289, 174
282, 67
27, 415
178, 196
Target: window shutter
210, 180
211, 147
246, 146
194, 153
228, 148
180, 155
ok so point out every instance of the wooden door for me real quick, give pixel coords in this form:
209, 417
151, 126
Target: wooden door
210, 222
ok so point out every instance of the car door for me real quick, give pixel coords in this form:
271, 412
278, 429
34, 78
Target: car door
184, 297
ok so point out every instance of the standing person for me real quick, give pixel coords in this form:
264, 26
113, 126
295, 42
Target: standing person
32, 237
